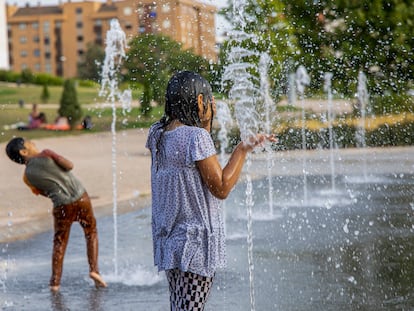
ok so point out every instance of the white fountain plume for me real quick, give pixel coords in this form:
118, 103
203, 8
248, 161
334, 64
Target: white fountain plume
225, 123
327, 87
244, 93
363, 100
264, 64
114, 55
303, 80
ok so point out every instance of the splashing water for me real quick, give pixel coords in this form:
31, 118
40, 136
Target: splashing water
114, 54
268, 104
303, 80
328, 89
225, 123
363, 100
244, 92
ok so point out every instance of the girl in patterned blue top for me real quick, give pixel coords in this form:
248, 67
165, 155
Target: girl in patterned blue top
187, 183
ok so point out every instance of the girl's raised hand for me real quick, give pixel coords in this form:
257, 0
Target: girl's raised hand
258, 140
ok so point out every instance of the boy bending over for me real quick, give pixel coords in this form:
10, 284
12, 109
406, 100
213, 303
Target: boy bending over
48, 174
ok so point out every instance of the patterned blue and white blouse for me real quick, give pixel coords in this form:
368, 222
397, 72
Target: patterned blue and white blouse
187, 225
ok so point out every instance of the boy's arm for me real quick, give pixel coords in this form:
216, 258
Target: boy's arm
33, 188
59, 160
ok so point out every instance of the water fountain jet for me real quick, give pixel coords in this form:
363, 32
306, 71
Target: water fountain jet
328, 89
114, 55
363, 101
265, 62
302, 80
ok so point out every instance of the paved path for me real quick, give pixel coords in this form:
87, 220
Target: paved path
22, 214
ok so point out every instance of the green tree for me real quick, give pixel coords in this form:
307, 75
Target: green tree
27, 76
345, 37
90, 67
342, 37
271, 32
152, 59
44, 97
69, 105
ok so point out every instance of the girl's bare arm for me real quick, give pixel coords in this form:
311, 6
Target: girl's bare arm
221, 181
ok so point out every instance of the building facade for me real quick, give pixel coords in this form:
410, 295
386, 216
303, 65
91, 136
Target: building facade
4, 51
54, 39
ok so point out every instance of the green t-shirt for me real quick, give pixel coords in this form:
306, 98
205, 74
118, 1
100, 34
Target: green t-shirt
61, 186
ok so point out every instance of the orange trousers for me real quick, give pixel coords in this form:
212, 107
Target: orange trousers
82, 212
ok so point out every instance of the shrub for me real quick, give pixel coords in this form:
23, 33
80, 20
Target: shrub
69, 105
392, 103
44, 78
44, 97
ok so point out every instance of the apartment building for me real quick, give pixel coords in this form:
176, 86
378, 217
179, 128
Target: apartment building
4, 52
54, 39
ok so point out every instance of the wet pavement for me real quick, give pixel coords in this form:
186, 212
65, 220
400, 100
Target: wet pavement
347, 247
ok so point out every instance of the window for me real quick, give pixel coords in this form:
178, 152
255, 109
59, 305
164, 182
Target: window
166, 8
36, 39
36, 53
166, 24
78, 10
79, 24
46, 26
79, 38
23, 53
35, 25
22, 26
48, 68
23, 39
127, 11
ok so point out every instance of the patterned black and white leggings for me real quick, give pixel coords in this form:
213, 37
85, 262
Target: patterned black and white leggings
188, 291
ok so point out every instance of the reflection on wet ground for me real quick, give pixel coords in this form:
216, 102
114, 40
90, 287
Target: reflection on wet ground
346, 249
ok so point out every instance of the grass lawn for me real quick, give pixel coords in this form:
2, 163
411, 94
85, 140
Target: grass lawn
11, 113
101, 119
10, 94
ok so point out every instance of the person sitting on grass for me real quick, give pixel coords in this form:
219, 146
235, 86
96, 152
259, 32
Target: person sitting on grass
61, 124
49, 174
38, 122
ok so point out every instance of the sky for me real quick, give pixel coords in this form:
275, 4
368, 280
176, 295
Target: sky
221, 24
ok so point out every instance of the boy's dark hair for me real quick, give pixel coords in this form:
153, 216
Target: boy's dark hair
181, 98
13, 148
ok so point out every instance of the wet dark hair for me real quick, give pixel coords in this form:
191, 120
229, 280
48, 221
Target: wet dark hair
181, 98
181, 103
13, 150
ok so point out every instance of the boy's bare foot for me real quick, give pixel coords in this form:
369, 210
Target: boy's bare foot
99, 282
54, 288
